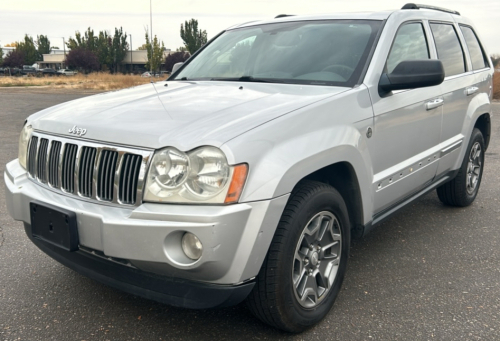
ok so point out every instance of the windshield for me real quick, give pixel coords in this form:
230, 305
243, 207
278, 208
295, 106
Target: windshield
331, 52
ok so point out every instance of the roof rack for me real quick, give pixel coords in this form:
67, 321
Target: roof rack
283, 15
419, 6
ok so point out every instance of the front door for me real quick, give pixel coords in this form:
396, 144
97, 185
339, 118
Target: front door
407, 127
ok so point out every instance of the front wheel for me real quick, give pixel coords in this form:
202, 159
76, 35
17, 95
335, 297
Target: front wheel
306, 262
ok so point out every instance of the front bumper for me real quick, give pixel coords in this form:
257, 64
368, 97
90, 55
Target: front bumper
235, 238
172, 291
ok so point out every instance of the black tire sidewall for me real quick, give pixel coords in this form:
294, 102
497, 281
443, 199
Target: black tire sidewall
327, 199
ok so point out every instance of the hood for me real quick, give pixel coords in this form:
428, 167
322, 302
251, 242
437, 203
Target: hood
184, 115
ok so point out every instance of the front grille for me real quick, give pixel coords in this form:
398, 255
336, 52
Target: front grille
88, 170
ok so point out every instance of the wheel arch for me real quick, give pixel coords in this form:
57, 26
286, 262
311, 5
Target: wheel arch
483, 123
342, 176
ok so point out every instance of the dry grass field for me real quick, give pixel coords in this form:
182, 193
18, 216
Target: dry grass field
496, 85
94, 81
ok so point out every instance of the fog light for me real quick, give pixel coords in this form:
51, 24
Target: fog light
191, 246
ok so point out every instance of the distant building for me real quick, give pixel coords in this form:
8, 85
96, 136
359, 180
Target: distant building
52, 61
6, 50
134, 61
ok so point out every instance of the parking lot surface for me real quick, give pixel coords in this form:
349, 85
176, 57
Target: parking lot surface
431, 272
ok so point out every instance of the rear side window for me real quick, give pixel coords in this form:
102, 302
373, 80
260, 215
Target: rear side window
448, 48
409, 44
476, 52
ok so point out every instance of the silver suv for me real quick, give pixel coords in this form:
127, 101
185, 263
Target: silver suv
246, 173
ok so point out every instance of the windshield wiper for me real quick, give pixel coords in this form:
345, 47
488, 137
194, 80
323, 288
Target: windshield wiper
244, 79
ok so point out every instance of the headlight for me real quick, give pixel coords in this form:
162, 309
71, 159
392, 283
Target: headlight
200, 176
23, 144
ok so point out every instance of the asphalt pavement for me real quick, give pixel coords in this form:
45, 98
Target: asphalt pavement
429, 273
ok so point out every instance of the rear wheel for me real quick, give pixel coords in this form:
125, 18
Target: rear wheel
462, 190
306, 262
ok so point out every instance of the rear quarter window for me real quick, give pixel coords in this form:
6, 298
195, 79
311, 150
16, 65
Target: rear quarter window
477, 56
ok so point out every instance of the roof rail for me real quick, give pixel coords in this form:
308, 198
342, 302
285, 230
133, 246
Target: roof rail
419, 6
283, 15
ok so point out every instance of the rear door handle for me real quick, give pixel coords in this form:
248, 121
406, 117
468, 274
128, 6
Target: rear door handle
471, 90
434, 103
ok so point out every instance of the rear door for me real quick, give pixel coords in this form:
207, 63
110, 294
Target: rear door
458, 90
407, 125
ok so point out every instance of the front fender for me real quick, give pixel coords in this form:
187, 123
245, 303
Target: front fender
284, 151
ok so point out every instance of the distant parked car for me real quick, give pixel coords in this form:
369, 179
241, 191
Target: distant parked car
28, 70
47, 72
67, 72
146, 74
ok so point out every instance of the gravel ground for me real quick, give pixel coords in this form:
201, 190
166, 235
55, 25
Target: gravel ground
429, 273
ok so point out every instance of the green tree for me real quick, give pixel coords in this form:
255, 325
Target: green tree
43, 46
119, 48
155, 53
1, 56
87, 41
143, 47
109, 49
193, 37
28, 49
181, 49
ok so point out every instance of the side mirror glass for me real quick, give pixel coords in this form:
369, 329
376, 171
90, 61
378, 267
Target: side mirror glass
411, 74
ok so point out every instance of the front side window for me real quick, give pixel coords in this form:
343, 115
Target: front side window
330, 52
409, 44
477, 56
448, 47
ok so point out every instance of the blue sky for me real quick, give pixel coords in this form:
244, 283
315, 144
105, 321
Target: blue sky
57, 18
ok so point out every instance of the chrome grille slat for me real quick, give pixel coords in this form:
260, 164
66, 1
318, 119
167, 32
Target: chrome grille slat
88, 170
128, 179
69, 160
53, 169
32, 156
106, 175
41, 169
136, 170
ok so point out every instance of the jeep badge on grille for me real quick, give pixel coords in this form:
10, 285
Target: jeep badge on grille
77, 131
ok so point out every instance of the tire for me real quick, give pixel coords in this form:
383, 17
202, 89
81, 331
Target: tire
463, 189
275, 299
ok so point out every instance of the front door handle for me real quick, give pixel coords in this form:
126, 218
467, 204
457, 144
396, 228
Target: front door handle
434, 103
471, 90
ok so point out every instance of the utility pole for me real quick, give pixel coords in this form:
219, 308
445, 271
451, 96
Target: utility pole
151, 40
64, 48
131, 53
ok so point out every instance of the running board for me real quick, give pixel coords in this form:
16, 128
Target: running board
380, 217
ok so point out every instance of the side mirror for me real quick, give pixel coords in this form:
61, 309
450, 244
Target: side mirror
411, 74
176, 67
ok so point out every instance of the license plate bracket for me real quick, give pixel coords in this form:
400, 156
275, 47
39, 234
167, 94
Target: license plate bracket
54, 225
